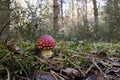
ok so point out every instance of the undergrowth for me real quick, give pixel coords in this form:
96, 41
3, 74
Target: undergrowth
25, 64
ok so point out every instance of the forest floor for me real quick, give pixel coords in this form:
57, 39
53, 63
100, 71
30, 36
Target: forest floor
71, 61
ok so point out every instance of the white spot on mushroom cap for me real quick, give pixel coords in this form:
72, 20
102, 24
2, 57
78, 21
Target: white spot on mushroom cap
43, 45
51, 47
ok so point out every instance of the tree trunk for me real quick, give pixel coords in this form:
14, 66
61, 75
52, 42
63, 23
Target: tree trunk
61, 3
4, 18
55, 14
95, 13
85, 13
78, 12
117, 11
61, 10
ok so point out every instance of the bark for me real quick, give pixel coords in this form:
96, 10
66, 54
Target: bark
95, 12
72, 6
55, 14
4, 18
61, 10
117, 11
78, 12
61, 2
85, 12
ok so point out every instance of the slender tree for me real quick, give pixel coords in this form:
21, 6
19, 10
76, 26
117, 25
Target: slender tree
85, 19
95, 13
117, 11
72, 7
4, 18
61, 8
55, 14
78, 11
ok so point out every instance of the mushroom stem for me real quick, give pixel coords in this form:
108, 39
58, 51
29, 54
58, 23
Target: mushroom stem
46, 53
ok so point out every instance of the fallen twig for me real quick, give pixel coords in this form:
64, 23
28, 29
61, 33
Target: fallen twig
91, 66
77, 67
8, 73
93, 60
22, 67
55, 74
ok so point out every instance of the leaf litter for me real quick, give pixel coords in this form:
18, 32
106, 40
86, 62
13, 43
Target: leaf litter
66, 64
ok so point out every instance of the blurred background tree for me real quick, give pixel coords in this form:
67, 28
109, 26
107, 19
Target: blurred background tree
90, 20
4, 18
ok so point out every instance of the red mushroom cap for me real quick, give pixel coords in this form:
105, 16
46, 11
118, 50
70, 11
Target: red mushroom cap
46, 42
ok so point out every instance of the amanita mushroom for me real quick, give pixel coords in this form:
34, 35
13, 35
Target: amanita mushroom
46, 43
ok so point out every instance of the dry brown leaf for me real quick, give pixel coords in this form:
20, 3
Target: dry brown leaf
112, 71
63, 47
115, 64
55, 64
13, 47
71, 72
100, 54
44, 76
95, 77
